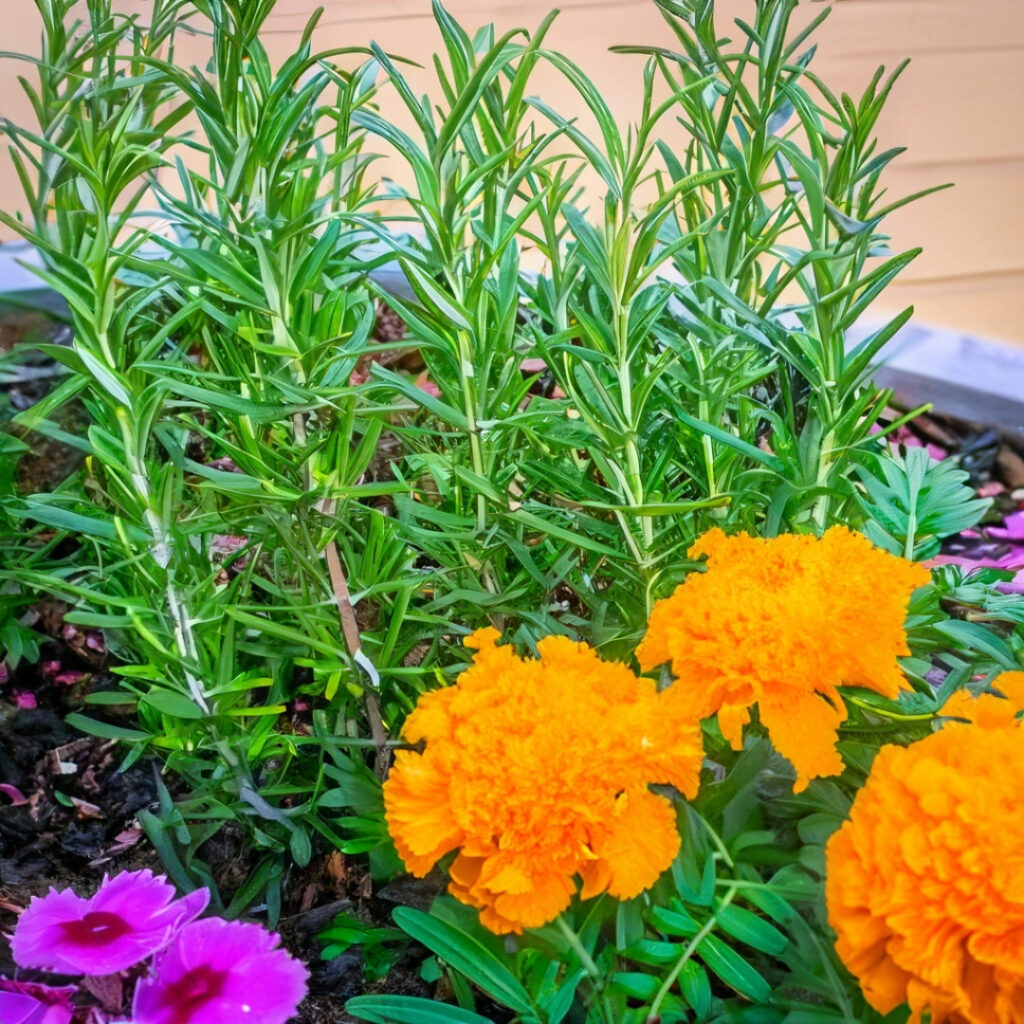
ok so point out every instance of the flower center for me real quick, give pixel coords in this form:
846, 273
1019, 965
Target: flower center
196, 988
97, 928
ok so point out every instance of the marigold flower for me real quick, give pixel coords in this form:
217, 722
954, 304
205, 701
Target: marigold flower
783, 623
24, 1002
133, 915
925, 881
537, 771
217, 971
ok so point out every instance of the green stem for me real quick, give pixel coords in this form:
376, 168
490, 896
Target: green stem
162, 552
908, 547
476, 451
704, 413
587, 963
476, 454
719, 844
820, 514
633, 464
894, 715
576, 945
684, 959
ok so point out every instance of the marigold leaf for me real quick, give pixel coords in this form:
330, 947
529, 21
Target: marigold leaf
409, 1010
561, 1002
696, 988
724, 961
467, 955
752, 930
654, 953
674, 922
636, 984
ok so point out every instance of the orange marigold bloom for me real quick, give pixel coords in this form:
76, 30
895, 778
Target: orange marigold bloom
537, 771
925, 882
782, 623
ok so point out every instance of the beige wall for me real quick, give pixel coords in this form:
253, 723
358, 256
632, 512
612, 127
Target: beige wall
959, 109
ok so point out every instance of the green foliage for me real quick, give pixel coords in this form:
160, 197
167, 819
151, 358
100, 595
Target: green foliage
735, 931
224, 449
912, 503
410, 1010
690, 327
379, 948
283, 552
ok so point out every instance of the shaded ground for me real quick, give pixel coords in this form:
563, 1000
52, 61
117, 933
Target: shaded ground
68, 816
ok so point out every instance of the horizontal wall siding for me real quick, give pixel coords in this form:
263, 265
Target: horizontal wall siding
959, 109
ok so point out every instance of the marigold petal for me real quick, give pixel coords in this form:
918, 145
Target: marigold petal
923, 881
596, 875
433, 717
731, 719
1005, 950
654, 649
419, 812
512, 891
985, 710
465, 870
804, 730
523, 762
988, 709
886, 987
641, 842
776, 619
547, 896
482, 639
1011, 686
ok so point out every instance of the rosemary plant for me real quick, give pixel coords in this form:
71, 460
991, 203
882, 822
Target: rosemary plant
283, 555
688, 327
224, 449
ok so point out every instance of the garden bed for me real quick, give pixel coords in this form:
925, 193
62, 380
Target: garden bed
68, 815
519, 599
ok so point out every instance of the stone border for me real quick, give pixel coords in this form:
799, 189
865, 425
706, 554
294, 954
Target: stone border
974, 379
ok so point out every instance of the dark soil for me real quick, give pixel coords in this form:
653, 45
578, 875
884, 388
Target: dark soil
71, 817
78, 822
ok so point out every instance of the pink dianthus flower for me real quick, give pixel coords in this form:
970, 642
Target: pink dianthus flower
132, 916
23, 1002
218, 971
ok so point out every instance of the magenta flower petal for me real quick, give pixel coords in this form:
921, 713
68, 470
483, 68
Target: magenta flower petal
14, 794
1012, 528
131, 917
218, 971
1011, 560
23, 1002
